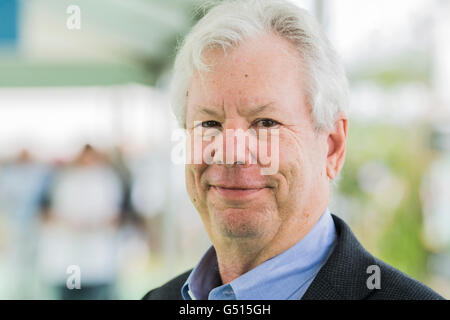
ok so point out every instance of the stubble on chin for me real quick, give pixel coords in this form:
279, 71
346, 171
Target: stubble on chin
243, 223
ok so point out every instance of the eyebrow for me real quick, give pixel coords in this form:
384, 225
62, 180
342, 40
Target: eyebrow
210, 112
257, 110
248, 112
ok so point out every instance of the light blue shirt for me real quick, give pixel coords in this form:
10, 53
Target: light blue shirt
286, 276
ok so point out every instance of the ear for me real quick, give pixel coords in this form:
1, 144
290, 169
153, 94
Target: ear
337, 143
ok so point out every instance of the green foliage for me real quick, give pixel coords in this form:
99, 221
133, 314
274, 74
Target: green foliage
396, 232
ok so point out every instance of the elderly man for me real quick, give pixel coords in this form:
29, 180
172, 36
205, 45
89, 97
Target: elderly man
264, 67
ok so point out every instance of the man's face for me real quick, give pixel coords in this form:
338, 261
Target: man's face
258, 85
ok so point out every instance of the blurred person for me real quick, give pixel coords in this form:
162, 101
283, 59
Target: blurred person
119, 164
81, 226
265, 65
23, 183
149, 196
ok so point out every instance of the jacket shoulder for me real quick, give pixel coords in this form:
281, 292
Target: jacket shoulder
345, 274
170, 290
396, 285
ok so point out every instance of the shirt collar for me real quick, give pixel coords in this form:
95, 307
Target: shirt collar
203, 278
284, 276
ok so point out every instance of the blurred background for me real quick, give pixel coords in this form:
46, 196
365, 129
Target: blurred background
85, 142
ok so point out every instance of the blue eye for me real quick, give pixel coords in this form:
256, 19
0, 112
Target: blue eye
266, 123
210, 124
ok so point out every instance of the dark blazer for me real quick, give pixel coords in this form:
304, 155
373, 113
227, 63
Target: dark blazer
343, 277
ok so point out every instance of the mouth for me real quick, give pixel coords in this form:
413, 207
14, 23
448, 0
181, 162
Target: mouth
237, 193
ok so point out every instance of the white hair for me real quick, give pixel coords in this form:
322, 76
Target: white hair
233, 21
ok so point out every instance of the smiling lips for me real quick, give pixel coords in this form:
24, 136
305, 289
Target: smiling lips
237, 193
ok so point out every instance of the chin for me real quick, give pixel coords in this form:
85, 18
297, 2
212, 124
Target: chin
242, 223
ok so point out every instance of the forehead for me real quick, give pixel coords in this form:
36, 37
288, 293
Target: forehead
261, 70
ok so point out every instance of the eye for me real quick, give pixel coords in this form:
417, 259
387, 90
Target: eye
266, 123
210, 124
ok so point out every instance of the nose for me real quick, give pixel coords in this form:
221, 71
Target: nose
236, 145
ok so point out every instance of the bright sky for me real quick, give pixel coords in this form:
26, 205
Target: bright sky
358, 26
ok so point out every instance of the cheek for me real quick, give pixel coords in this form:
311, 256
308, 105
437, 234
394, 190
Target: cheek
302, 163
292, 167
295, 165
193, 182
291, 153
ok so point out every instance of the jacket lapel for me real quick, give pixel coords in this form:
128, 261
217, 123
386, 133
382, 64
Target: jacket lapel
344, 275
